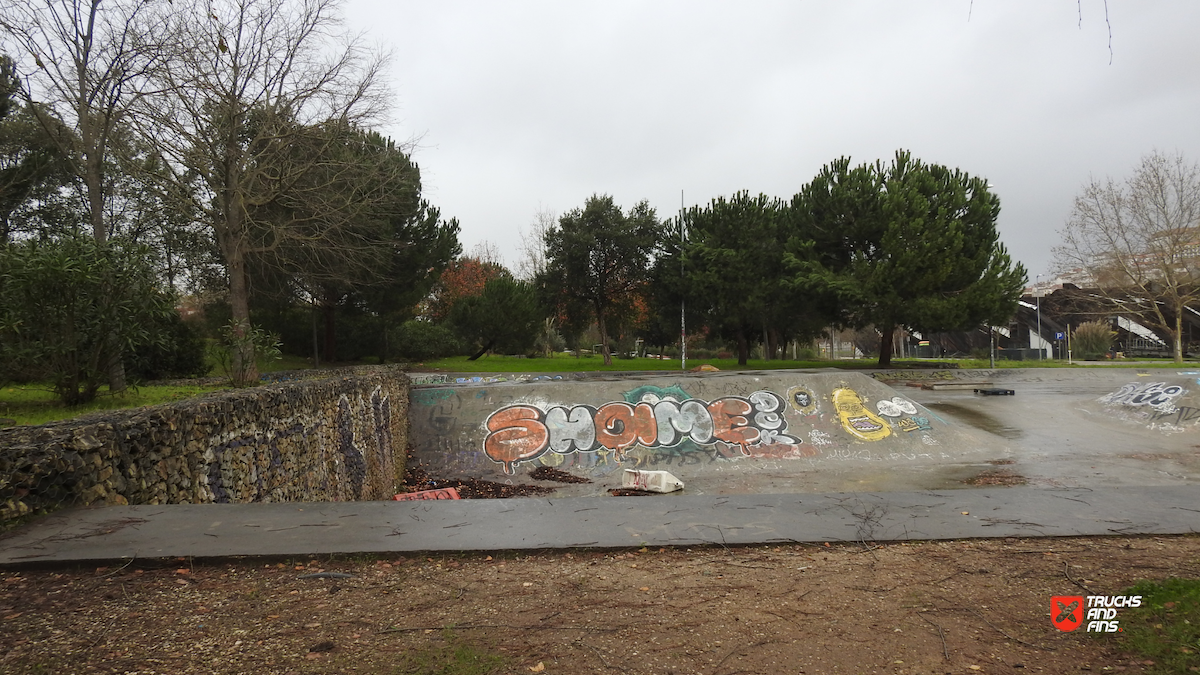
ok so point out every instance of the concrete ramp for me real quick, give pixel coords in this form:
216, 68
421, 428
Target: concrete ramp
769, 431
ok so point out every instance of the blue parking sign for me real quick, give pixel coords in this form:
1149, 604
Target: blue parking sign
1059, 335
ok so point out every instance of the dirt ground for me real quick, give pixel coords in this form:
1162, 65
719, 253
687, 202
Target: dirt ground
979, 606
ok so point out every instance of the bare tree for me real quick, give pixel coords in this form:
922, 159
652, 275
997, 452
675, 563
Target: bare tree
85, 65
248, 82
487, 252
533, 244
1138, 241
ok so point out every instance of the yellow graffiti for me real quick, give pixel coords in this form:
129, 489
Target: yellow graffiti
551, 459
855, 417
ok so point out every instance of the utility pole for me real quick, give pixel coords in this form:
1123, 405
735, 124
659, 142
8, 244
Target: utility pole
1037, 295
683, 298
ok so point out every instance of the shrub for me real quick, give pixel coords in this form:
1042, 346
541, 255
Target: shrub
1092, 340
180, 354
66, 306
421, 340
252, 340
549, 340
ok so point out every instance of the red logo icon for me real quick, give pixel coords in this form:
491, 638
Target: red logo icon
1066, 611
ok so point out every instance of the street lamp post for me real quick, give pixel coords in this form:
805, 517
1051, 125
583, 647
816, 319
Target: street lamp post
1037, 295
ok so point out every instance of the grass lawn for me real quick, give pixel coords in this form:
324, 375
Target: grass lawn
567, 363
36, 404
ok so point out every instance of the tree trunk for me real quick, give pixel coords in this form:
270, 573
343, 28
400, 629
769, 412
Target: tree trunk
886, 343
242, 358
316, 353
231, 236
1178, 346
328, 311
603, 337
95, 192
483, 351
743, 346
239, 305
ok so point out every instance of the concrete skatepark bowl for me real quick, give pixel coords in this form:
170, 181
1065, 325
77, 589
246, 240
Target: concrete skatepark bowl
818, 431
766, 457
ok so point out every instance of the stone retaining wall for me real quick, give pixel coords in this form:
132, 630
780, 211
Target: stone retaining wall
338, 437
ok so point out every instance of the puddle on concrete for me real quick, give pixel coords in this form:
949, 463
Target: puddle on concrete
977, 419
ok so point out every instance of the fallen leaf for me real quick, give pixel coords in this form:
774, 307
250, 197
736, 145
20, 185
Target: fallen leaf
538, 668
966, 513
644, 588
527, 584
312, 625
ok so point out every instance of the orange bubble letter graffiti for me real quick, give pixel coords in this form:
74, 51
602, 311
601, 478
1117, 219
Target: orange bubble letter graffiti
515, 434
615, 429
730, 423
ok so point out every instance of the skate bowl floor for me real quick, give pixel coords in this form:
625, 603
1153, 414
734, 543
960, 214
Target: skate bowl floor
773, 456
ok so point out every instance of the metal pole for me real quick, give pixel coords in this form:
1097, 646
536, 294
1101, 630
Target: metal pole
1037, 294
683, 300
992, 346
1069, 361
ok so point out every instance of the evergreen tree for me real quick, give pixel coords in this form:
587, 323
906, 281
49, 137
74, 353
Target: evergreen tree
909, 244
600, 257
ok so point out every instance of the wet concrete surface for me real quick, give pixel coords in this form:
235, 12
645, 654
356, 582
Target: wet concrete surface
1053, 432
1098, 451
1059, 433
222, 530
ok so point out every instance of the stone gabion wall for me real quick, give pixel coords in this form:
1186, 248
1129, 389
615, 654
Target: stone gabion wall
338, 437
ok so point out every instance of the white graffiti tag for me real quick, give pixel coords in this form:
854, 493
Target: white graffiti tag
896, 407
819, 438
1153, 394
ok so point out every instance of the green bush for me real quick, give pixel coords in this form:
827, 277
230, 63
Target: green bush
179, 355
421, 340
66, 306
1092, 340
251, 340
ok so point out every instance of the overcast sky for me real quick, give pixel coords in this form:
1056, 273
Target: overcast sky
521, 106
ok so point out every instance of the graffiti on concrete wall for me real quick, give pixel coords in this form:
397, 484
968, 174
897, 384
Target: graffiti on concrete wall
522, 433
914, 423
895, 407
1153, 394
1176, 416
856, 419
802, 400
